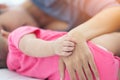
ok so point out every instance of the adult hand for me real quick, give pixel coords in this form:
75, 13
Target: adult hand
80, 62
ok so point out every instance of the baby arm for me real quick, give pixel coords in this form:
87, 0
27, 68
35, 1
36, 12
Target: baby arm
32, 46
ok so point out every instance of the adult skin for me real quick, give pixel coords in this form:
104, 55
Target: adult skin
110, 23
87, 31
83, 32
80, 34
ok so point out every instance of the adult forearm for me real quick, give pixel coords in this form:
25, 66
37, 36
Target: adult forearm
104, 22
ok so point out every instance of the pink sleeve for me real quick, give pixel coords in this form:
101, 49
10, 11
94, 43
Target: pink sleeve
16, 35
91, 7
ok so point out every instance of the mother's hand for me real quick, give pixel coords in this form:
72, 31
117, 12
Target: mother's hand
80, 62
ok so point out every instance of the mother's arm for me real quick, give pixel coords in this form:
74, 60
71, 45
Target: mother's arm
104, 22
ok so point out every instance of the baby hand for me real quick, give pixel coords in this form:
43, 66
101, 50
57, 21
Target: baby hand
64, 46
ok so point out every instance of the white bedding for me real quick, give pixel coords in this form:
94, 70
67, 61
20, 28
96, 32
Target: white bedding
5, 74
12, 3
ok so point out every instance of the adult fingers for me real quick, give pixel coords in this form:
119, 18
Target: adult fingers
93, 67
72, 73
87, 71
90, 64
80, 72
61, 69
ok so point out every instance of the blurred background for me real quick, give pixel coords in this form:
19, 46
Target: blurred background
11, 3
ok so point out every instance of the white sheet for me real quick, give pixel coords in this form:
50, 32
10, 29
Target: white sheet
5, 74
12, 3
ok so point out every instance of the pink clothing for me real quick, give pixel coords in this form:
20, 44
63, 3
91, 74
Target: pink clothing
107, 64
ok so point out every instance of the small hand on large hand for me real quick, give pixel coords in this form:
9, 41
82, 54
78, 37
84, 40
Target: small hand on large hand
80, 62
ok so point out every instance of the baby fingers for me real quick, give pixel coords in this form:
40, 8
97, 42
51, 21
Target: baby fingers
69, 44
68, 49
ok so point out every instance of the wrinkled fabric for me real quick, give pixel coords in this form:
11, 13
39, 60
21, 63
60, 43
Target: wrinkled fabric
47, 67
